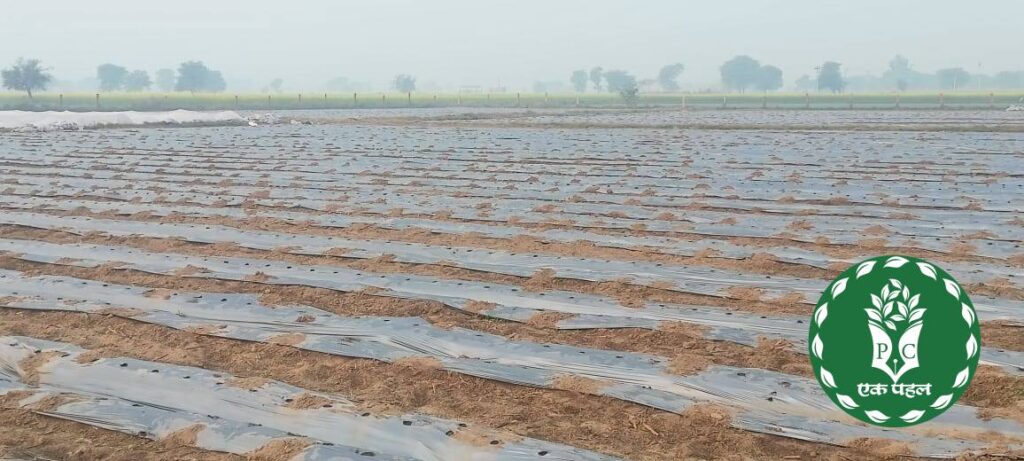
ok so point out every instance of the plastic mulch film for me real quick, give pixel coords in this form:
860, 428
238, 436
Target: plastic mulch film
932, 229
603, 167
717, 249
693, 279
796, 408
506, 302
238, 416
699, 280
707, 281
967, 271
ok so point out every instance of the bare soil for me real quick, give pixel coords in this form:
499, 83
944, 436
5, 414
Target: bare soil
597, 423
27, 435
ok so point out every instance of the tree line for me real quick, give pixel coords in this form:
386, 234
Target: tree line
29, 75
741, 74
191, 76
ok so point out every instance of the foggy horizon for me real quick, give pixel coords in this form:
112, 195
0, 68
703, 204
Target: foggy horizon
506, 44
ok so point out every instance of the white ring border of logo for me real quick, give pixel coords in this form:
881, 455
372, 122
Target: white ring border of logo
967, 312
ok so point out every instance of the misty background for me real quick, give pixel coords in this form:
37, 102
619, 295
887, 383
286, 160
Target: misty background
526, 45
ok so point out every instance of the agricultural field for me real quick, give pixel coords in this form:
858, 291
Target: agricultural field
489, 284
122, 101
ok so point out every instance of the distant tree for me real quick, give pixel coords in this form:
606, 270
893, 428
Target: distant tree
740, 73
769, 78
899, 64
805, 83
111, 77
899, 72
621, 82
194, 76
952, 78
165, 80
404, 83
579, 80
668, 75
596, 74
276, 84
137, 81
1009, 80
215, 82
25, 75
830, 77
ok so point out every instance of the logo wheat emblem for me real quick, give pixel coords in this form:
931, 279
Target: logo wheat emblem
893, 371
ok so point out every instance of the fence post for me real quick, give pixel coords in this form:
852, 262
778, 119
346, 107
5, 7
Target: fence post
942, 100
300, 99
577, 100
408, 97
764, 101
269, 105
236, 101
518, 100
898, 97
725, 103
383, 100
991, 100
545, 98
355, 99
435, 100
849, 98
807, 100
97, 101
60, 101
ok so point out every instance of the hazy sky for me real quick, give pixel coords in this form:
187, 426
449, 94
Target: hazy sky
512, 43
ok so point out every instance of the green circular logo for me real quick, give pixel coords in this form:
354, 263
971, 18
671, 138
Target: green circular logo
894, 341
